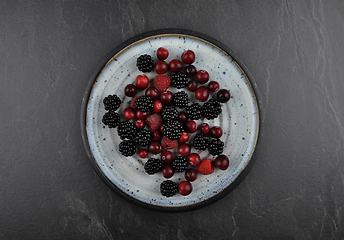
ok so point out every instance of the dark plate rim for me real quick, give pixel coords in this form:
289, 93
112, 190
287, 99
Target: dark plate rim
87, 93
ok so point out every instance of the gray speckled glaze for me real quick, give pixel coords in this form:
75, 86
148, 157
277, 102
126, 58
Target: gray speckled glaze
239, 120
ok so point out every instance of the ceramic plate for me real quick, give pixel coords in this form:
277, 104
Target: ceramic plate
240, 120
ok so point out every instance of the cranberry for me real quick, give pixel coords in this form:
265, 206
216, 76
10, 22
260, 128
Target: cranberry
182, 117
141, 115
223, 95
157, 106
162, 53
160, 67
154, 147
221, 162
202, 76
139, 124
205, 128
191, 175
194, 159
142, 81
216, 132
184, 149
192, 86
184, 138
166, 156
167, 171
188, 57
213, 86
190, 126
143, 153
190, 70
152, 92
175, 65
202, 93
166, 97
157, 135
130, 90
129, 113
185, 188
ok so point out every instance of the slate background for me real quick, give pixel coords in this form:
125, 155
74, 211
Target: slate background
293, 49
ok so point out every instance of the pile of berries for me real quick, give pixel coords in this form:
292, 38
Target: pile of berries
159, 124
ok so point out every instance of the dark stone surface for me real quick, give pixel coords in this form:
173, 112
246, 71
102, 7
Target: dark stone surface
49, 50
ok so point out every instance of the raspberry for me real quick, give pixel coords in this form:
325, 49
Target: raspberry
167, 143
126, 129
211, 109
153, 166
179, 80
169, 113
111, 119
127, 148
154, 121
194, 112
180, 164
173, 130
144, 103
145, 63
168, 188
215, 147
161, 82
201, 141
112, 102
181, 99
205, 167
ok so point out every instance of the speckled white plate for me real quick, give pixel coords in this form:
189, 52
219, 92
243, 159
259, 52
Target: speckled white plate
240, 120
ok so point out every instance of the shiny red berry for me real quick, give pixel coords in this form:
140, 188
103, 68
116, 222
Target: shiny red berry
141, 115
162, 53
157, 106
182, 117
152, 92
205, 128
184, 149
221, 162
166, 97
190, 70
167, 171
175, 65
213, 86
129, 113
184, 138
191, 175
139, 124
194, 159
157, 135
142, 81
202, 76
184, 188
202, 94
154, 147
130, 90
188, 57
223, 95
190, 126
166, 156
192, 86
216, 132
160, 67
143, 153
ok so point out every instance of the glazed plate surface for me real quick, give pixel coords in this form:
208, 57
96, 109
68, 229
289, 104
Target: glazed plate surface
240, 120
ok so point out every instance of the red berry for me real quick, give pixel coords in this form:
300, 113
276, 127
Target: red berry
142, 81
152, 92
188, 57
182, 117
129, 113
206, 167
139, 124
166, 156
161, 82
190, 126
184, 149
160, 67
154, 147
154, 121
162, 53
133, 103
167, 143
157, 106
205, 128
157, 135
221, 162
185, 188
184, 138
167, 171
192, 86
143, 153
141, 115
223, 95
216, 132
213, 86
202, 93
202, 76
166, 97
191, 175
190, 70
194, 159
130, 90
175, 65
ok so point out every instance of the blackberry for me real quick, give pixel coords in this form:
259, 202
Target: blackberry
127, 148
152, 166
201, 141
169, 113
145, 63
194, 112
168, 188
180, 164
112, 102
111, 119
173, 130
144, 138
179, 80
126, 129
211, 109
215, 147
181, 99
144, 103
